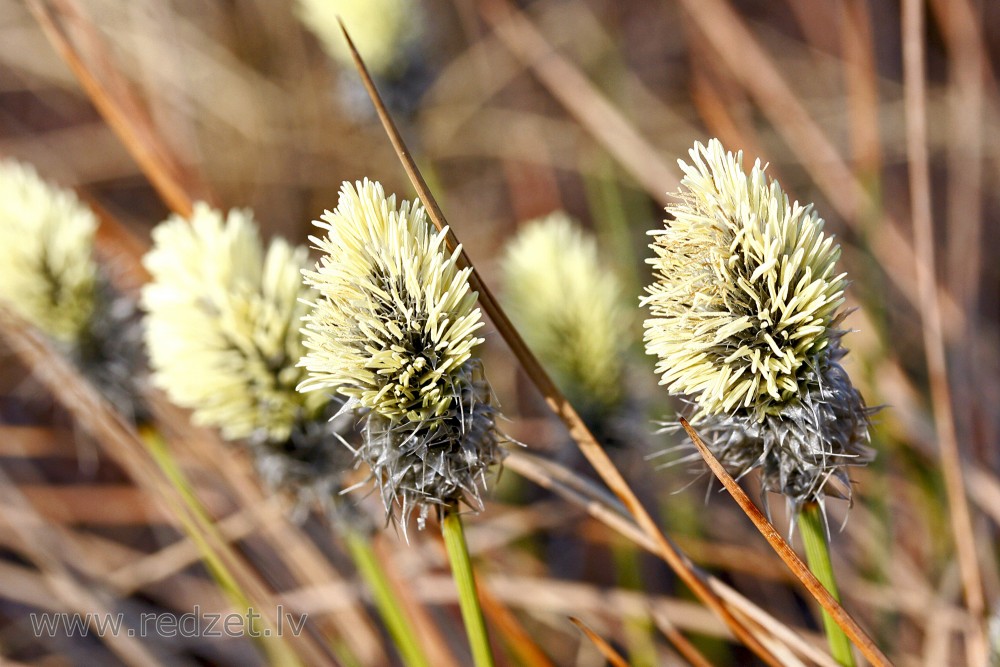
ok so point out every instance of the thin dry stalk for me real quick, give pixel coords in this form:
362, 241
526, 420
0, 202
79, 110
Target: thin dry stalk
124, 445
517, 638
79, 43
788, 555
688, 650
584, 439
861, 82
41, 544
967, 58
608, 651
583, 101
930, 310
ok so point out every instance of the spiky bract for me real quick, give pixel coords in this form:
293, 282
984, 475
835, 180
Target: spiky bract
394, 329
382, 30
47, 276
569, 309
420, 467
744, 320
222, 326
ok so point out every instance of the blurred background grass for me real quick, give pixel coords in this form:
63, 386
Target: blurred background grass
259, 116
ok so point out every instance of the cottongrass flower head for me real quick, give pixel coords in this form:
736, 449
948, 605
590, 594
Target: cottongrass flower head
394, 330
382, 30
48, 276
744, 319
569, 309
222, 325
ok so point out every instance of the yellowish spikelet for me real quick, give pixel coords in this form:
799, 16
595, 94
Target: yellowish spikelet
396, 318
47, 276
569, 309
746, 291
394, 329
382, 30
222, 326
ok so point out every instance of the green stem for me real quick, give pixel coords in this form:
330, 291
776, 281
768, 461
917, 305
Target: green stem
465, 581
198, 524
385, 598
818, 556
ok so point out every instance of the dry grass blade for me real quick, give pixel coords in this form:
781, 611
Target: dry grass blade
582, 100
688, 650
584, 439
608, 651
787, 554
930, 309
125, 446
77, 40
41, 544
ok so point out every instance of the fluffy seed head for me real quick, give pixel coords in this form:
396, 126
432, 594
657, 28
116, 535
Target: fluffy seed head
47, 275
393, 328
222, 326
382, 30
569, 309
746, 290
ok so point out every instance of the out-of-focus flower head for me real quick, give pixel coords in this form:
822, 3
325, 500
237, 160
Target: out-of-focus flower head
47, 276
393, 329
744, 316
569, 309
222, 325
382, 30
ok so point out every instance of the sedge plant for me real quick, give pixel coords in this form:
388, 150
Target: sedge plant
745, 314
393, 330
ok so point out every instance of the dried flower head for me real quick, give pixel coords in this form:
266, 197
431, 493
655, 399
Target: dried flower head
569, 309
394, 329
744, 320
222, 325
48, 276
382, 30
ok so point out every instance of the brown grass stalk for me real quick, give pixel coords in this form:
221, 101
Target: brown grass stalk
788, 555
606, 649
125, 446
80, 45
930, 310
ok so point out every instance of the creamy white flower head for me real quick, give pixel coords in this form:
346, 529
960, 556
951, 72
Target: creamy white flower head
382, 30
47, 275
393, 328
746, 291
396, 318
222, 326
569, 309
744, 320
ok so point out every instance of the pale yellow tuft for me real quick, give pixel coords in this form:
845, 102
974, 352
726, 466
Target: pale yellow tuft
569, 309
222, 329
395, 319
47, 275
382, 30
746, 292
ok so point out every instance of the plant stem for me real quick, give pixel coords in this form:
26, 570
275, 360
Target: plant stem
465, 581
818, 556
385, 598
